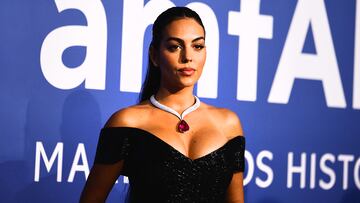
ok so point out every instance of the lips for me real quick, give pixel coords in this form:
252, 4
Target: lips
186, 71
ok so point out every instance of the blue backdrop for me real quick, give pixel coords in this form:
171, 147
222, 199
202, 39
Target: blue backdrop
289, 69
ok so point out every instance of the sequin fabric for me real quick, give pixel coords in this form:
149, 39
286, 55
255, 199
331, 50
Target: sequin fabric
157, 172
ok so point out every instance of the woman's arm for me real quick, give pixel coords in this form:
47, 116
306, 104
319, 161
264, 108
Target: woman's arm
235, 192
100, 182
103, 176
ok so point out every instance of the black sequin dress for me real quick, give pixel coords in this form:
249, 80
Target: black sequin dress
158, 173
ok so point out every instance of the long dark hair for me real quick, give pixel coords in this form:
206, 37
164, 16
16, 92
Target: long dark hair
152, 80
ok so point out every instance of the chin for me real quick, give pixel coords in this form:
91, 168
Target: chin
188, 82
180, 82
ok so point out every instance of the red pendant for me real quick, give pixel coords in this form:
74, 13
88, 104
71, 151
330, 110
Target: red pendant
183, 126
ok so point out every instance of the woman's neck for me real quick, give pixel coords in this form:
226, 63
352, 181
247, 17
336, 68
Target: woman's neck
179, 100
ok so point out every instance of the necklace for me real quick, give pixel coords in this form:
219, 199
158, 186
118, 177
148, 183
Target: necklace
182, 126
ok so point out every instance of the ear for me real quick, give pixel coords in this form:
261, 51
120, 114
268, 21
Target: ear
153, 55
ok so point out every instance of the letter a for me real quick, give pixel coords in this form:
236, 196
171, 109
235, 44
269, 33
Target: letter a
93, 37
320, 66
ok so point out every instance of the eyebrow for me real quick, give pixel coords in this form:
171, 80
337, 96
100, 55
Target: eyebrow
182, 41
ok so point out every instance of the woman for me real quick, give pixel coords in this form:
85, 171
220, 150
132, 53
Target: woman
172, 147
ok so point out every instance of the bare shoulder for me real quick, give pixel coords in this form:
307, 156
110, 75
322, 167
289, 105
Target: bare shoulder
227, 119
131, 116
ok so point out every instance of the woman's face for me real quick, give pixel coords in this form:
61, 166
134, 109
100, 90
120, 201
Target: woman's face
181, 54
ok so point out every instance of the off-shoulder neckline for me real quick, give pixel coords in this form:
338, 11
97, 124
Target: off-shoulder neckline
152, 135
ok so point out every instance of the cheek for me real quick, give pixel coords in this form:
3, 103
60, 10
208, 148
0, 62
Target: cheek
200, 63
168, 60
201, 60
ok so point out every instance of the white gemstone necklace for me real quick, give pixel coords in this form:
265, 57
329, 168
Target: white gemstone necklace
182, 126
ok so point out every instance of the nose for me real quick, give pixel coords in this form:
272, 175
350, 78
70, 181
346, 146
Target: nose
186, 55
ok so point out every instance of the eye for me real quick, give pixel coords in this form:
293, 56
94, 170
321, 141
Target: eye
174, 47
199, 46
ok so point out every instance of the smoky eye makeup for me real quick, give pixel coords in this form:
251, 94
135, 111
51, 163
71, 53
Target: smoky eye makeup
174, 44
199, 46
173, 47
199, 43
